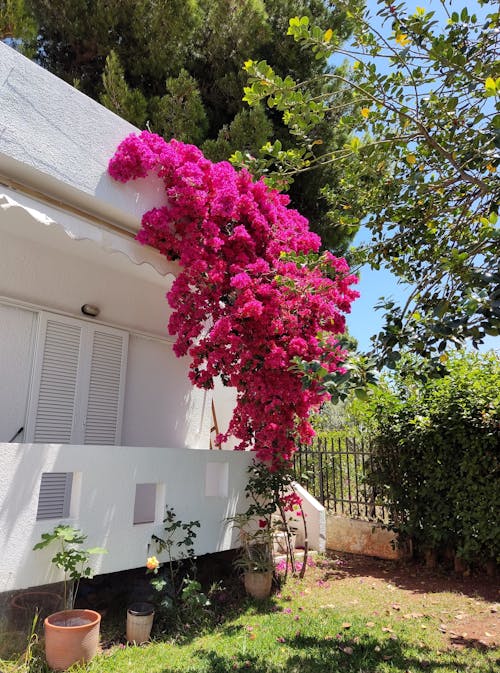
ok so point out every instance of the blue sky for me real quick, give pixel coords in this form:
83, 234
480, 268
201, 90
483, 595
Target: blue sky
364, 321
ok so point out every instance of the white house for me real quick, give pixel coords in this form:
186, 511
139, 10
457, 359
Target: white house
99, 425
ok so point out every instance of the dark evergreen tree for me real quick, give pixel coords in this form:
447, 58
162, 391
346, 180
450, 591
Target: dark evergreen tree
177, 67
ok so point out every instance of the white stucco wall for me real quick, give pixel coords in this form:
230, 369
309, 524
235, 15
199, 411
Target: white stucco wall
56, 143
17, 332
315, 519
44, 267
57, 140
193, 482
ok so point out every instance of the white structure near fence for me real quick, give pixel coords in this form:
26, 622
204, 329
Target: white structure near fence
99, 425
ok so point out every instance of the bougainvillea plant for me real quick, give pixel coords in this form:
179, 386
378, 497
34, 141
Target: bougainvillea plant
254, 294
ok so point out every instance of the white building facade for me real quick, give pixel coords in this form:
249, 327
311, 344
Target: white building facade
99, 424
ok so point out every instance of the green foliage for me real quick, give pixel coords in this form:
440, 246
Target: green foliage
180, 113
118, 96
248, 130
180, 594
418, 161
358, 376
16, 24
176, 66
437, 460
70, 557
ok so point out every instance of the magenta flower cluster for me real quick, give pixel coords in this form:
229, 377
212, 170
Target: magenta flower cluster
248, 299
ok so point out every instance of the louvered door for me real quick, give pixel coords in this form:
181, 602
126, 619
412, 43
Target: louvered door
78, 383
103, 421
53, 399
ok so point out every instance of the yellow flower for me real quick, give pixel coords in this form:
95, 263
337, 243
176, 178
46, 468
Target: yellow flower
411, 159
152, 563
328, 35
491, 168
403, 39
365, 112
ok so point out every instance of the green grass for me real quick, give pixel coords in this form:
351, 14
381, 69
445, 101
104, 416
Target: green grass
332, 621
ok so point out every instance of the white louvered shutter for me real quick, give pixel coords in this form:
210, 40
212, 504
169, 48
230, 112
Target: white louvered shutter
105, 394
78, 383
55, 382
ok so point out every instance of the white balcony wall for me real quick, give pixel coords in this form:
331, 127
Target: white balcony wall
207, 486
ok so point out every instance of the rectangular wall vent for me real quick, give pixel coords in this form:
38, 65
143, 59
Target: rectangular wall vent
55, 495
145, 503
216, 480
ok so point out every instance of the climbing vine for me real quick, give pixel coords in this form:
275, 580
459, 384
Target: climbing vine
254, 295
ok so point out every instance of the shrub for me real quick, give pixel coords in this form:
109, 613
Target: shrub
437, 458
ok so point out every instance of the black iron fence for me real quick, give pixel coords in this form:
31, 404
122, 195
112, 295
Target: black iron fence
336, 471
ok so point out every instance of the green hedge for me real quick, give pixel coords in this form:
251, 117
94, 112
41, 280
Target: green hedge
437, 457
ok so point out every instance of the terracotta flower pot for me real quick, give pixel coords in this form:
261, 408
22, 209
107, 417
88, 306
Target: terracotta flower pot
258, 584
139, 622
71, 636
26, 604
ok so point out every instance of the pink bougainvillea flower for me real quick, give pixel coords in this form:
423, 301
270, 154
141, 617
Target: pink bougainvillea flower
243, 306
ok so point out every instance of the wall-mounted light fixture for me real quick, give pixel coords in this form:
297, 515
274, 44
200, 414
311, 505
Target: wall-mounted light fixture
90, 309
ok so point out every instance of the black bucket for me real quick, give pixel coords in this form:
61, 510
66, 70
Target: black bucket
141, 609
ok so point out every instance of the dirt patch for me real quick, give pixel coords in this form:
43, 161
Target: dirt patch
415, 578
474, 631
465, 609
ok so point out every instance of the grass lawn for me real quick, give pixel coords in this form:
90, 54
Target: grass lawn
348, 614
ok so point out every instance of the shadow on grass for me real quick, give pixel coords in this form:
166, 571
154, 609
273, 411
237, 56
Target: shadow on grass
410, 576
313, 655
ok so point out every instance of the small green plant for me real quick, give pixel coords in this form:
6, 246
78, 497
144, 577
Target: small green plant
256, 558
70, 558
177, 587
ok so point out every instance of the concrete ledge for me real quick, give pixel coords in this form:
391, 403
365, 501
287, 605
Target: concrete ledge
316, 521
360, 537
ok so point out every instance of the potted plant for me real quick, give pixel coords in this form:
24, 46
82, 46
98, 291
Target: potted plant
256, 562
256, 554
71, 635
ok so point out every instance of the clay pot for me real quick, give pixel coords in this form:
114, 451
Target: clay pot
26, 604
139, 622
71, 636
258, 584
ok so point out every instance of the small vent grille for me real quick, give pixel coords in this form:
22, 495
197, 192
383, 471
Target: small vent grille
104, 390
55, 495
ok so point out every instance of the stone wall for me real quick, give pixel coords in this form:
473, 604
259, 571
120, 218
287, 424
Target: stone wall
360, 537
